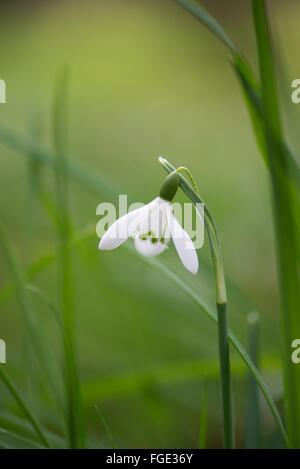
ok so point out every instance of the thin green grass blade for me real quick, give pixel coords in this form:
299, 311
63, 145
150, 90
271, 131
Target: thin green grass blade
33, 187
235, 342
34, 183
249, 83
10, 440
75, 412
209, 21
44, 261
253, 98
253, 421
76, 170
134, 382
286, 236
106, 427
20, 426
49, 304
23, 407
37, 343
49, 206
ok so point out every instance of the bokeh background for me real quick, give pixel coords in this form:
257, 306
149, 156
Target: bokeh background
146, 79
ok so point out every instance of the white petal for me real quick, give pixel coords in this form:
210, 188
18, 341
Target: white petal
147, 248
183, 244
124, 227
154, 220
120, 230
142, 219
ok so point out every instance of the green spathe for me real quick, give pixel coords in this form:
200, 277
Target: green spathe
170, 186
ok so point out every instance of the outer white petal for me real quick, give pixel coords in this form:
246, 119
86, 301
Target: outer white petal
147, 248
124, 227
154, 219
120, 230
183, 244
142, 218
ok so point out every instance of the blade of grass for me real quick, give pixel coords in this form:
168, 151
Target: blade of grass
234, 341
76, 170
44, 261
286, 241
253, 422
253, 99
19, 425
125, 384
49, 304
34, 169
10, 440
106, 427
75, 412
249, 83
30, 318
23, 407
209, 21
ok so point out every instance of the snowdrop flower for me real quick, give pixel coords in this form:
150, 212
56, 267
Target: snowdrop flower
152, 226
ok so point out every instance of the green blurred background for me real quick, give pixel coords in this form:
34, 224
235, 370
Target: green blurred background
146, 79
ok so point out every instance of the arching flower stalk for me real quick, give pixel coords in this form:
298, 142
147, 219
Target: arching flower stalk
192, 192
152, 226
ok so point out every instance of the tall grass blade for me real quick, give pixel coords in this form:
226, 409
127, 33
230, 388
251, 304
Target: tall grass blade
128, 383
23, 407
20, 426
44, 261
10, 440
234, 341
75, 413
254, 103
253, 421
37, 343
209, 21
49, 304
106, 427
76, 170
286, 236
249, 82
34, 183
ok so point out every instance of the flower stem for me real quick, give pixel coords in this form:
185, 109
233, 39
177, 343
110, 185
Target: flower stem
221, 296
228, 427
